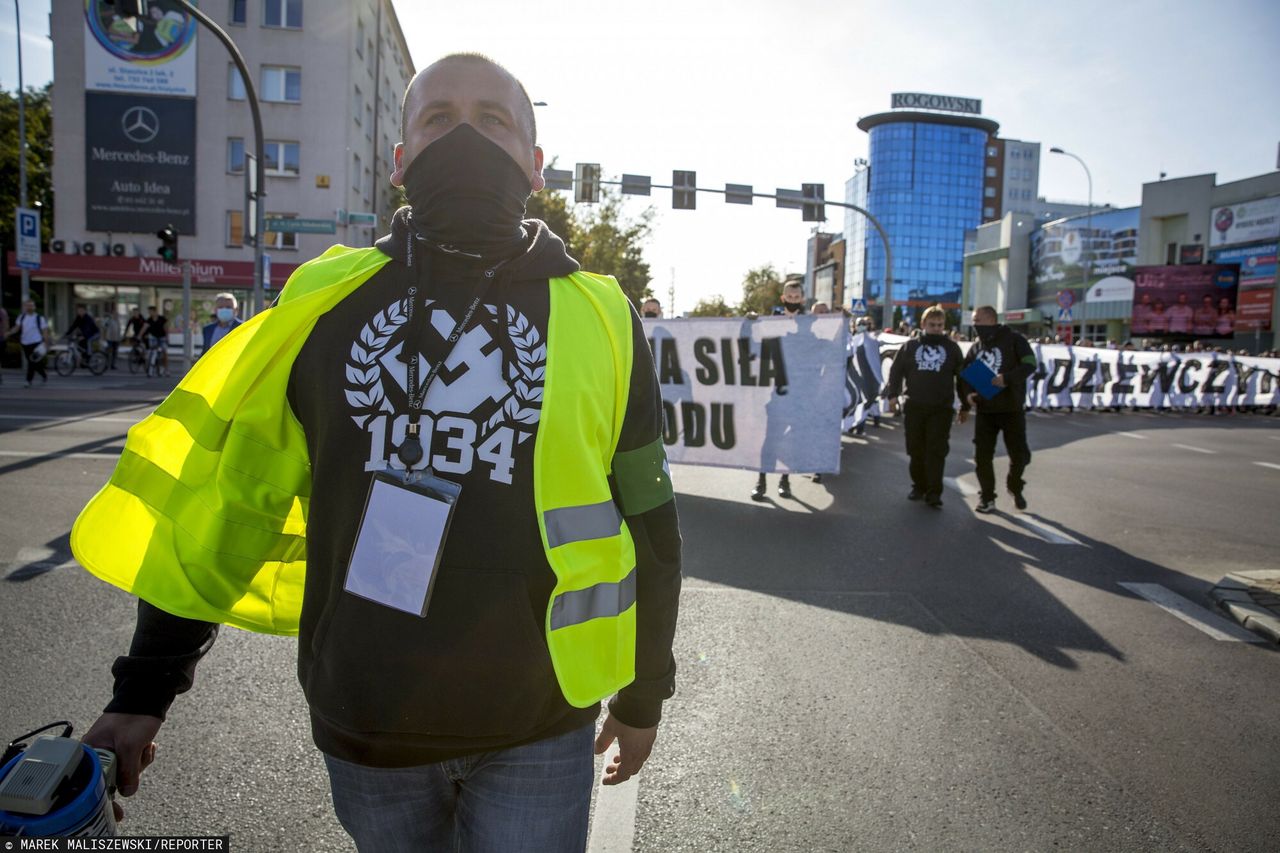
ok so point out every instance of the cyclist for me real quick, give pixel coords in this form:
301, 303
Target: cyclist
156, 334
84, 325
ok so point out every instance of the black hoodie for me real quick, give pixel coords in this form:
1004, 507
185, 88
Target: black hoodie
389, 689
1008, 355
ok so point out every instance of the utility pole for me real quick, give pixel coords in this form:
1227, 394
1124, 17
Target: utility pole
671, 294
22, 140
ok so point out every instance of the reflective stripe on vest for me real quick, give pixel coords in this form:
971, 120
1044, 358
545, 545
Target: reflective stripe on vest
601, 600
578, 523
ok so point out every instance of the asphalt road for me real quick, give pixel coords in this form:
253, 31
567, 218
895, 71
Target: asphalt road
856, 672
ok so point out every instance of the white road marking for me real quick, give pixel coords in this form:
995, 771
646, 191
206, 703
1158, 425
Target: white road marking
62, 421
960, 486
1131, 435
1274, 437
1193, 614
1045, 531
1194, 449
613, 825
110, 455
1268, 465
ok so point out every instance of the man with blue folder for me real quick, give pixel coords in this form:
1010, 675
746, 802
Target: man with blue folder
995, 375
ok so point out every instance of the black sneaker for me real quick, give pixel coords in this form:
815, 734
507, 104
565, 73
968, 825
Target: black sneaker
934, 503
758, 494
784, 488
1019, 501
915, 495
986, 506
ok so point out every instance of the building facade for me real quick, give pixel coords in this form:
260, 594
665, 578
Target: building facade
152, 127
924, 183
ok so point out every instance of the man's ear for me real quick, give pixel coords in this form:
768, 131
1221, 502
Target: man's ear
536, 181
397, 173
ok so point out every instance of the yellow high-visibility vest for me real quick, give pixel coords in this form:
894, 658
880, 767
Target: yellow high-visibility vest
205, 513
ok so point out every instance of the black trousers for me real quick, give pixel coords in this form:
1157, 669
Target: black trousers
34, 367
985, 429
928, 430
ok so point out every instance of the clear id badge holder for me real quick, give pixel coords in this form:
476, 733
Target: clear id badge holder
401, 536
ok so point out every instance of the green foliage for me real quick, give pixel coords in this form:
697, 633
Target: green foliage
761, 290
39, 120
601, 237
713, 307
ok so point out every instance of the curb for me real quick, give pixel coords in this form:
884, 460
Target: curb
1253, 600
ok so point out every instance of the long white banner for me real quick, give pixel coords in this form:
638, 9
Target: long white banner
1086, 377
765, 394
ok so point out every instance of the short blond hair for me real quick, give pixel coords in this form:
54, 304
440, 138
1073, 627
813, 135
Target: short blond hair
933, 311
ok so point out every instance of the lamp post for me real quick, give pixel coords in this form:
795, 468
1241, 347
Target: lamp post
22, 141
1086, 258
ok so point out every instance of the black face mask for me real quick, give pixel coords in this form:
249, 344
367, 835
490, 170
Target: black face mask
986, 334
797, 307
466, 192
934, 339
651, 314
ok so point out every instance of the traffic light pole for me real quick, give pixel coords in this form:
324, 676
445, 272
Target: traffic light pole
187, 344
800, 201
251, 94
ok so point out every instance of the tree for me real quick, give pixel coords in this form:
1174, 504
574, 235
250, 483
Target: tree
761, 290
601, 237
713, 307
39, 119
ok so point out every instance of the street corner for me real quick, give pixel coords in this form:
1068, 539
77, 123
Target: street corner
1253, 599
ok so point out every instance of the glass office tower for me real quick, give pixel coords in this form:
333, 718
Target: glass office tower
925, 186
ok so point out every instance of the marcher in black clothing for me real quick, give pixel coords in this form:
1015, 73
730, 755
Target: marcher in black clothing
792, 306
1012, 361
929, 367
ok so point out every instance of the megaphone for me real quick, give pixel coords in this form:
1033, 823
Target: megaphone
56, 787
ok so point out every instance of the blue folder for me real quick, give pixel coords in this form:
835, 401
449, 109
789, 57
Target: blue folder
979, 376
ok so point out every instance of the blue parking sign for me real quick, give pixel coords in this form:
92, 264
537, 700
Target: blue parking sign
28, 222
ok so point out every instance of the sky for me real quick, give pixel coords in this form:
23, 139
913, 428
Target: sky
769, 94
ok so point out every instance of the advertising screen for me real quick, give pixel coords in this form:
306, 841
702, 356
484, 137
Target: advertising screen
1192, 301
1257, 284
153, 53
1075, 254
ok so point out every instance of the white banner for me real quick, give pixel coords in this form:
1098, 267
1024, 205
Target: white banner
764, 395
1090, 378
155, 53
1245, 223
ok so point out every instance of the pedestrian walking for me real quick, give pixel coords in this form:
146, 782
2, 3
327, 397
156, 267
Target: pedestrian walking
927, 369
33, 334
438, 460
225, 319
111, 334
1010, 358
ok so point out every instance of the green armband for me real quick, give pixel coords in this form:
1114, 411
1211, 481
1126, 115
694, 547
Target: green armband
643, 478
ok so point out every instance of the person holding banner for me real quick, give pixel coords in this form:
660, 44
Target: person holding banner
929, 366
792, 306
1009, 357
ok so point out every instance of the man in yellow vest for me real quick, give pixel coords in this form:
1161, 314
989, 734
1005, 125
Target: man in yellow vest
438, 461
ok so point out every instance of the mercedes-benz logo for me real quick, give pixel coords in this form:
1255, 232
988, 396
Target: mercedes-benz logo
140, 124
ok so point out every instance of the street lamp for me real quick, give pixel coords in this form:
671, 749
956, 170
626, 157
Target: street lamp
1086, 260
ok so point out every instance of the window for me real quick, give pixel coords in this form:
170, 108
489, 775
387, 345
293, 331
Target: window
989, 192
281, 239
235, 155
368, 182
235, 83
988, 212
991, 151
368, 121
280, 158
356, 172
991, 171
237, 13
235, 228
360, 38
282, 13
358, 105
281, 84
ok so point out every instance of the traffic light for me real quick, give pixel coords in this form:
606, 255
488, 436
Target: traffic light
684, 195
586, 183
814, 210
168, 248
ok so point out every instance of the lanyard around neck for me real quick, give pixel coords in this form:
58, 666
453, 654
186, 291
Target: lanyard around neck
410, 451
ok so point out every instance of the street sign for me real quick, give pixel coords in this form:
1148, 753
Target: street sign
636, 184
28, 224
586, 183
814, 209
266, 270
1066, 298
793, 199
365, 220
684, 195
301, 226
1064, 315
737, 193
558, 179
858, 306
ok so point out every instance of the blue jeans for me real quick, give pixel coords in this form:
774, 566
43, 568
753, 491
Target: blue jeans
535, 797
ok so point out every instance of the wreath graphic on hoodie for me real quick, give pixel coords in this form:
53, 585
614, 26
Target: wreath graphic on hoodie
486, 398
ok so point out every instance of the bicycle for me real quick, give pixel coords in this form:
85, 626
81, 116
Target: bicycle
137, 357
154, 365
79, 354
